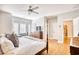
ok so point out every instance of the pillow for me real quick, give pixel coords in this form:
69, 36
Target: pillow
6, 45
14, 39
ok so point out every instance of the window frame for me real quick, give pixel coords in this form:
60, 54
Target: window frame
19, 28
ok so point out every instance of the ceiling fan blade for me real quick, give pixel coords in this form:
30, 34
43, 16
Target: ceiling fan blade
35, 12
35, 8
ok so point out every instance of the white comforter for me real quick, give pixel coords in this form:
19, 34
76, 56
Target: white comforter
28, 46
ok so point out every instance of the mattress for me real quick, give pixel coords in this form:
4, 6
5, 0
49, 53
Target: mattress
28, 46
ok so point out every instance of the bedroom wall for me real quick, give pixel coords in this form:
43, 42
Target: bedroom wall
61, 17
75, 26
59, 29
5, 22
38, 22
21, 20
52, 27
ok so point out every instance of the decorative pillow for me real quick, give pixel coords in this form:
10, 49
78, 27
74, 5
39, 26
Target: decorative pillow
6, 45
14, 39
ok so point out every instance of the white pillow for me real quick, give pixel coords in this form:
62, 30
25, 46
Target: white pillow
6, 44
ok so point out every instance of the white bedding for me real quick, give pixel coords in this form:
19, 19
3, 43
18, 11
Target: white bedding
28, 46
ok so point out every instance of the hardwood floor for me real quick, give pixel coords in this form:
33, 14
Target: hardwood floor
56, 48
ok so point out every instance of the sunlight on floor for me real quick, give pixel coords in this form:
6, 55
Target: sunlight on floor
56, 48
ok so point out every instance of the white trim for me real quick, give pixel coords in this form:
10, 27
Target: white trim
2, 11
59, 41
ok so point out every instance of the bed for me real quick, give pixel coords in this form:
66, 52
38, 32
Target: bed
28, 46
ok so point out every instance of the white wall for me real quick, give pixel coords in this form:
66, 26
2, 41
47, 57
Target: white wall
75, 26
21, 20
38, 22
59, 29
61, 18
5, 22
52, 28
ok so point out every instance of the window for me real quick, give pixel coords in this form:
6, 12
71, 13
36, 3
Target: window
21, 28
16, 28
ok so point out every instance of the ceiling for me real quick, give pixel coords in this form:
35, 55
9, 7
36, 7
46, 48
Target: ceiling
44, 9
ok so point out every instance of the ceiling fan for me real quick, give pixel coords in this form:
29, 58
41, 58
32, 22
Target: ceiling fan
32, 10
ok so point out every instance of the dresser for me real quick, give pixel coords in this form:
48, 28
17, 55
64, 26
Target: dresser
37, 34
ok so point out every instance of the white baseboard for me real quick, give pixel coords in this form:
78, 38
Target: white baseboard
59, 41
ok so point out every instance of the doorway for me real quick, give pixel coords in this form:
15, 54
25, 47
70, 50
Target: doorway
68, 31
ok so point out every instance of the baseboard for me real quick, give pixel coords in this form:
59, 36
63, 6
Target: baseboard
59, 41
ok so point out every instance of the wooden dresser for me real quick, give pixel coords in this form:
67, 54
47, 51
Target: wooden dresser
37, 34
